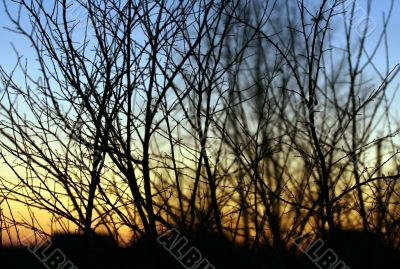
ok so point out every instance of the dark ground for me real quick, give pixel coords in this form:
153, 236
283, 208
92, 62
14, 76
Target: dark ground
356, 249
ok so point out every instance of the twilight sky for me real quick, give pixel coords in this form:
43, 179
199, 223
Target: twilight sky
8, 57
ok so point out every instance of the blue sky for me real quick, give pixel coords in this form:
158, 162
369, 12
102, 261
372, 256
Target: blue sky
378, 9
8, 56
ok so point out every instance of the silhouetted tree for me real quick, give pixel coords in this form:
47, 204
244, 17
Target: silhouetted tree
250, 120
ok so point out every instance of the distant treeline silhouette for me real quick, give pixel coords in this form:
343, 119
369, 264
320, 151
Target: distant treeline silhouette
356, 249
